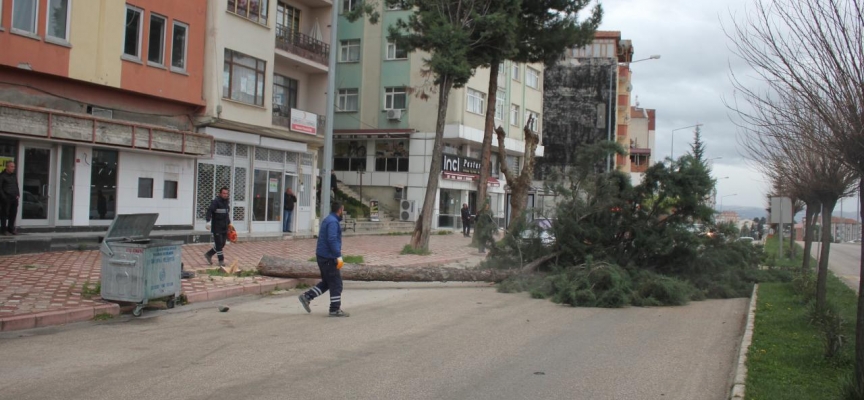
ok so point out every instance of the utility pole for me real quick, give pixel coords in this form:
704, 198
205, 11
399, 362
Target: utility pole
331, 105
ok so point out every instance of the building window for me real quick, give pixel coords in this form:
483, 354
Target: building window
179, 39
145, 188
349, 50
395, 53
396, 6
169, 190
103, 184
156, 43
499, 105
513, 164
535, 123
349, 155
58, 19
391, 155
287, 21
243, 78
532, 78
395, 98
284, 94
496, 168
1, 15
517, 75
350, 5
476, 101
514, 115
253, 10
349, 100
24, 15
502, 75
132, 41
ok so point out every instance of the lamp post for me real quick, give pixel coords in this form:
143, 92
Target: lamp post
723, 197
672, 150
613, 71
331, 105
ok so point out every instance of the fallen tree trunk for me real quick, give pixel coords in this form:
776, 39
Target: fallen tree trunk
285, 268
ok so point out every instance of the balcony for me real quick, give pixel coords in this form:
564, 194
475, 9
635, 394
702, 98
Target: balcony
303, 45
282, 117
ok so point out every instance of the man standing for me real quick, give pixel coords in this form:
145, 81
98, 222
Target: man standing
288, 202
219, 213
329, 256
9, 196
466, 220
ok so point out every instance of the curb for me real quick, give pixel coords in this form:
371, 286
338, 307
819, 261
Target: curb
738, 386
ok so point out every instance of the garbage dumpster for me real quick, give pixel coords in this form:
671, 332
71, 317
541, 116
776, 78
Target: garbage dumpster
138, 269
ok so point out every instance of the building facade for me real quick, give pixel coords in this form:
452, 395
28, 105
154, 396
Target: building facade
384, 125
96, 106
642, 139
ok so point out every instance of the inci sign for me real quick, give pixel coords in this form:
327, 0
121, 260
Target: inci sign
461, 164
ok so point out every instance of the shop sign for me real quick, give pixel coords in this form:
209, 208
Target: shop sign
464, 165
374, 216
305, 122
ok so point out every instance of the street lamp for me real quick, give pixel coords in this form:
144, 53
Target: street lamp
722, 197
611, 121
672, 151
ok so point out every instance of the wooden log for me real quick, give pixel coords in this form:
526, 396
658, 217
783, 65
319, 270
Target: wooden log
285, 268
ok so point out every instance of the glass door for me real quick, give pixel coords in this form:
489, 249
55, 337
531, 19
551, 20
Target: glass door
448, 208
66, 182
35, 183
267, 197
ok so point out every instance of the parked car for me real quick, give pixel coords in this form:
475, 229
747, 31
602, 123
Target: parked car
539, 230
746, 239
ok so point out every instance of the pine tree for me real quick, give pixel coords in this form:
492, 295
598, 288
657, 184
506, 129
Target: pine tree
697, 148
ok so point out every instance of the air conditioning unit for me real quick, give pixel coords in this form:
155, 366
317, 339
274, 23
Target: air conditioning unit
394, 115
407, 211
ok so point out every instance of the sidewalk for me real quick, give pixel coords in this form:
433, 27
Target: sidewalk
45, 289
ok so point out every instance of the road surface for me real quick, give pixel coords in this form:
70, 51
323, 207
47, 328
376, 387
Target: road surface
403, 341
845, 262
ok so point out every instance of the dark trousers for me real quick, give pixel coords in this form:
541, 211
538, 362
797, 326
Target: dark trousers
8, 212
331, 279
466, 227
218, 244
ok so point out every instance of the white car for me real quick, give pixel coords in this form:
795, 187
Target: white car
539, 229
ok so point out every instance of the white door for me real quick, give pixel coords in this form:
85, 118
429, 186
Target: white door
304, 204
35, 207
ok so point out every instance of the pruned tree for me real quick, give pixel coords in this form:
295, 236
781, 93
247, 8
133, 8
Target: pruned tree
519, 181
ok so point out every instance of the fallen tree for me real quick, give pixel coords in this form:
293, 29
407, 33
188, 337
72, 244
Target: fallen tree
285, 268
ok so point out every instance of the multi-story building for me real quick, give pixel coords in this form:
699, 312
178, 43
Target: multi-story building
384, 129
265, 79
642, 137
96, 106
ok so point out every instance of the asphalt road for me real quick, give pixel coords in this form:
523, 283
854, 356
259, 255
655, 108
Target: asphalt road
403, 341
845, 262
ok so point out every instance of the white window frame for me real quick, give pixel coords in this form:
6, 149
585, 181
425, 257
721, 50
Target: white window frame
532, 78
348, 44
137, 56
1, 15
35, 20
536, 125
342, 96
392, 46
473, 97
500, 99
390, 94
48, 36
350, 5
516, 71
164, 19
174, 25
514, 115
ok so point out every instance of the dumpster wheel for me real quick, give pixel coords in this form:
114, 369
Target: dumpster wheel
139, 309
170, 303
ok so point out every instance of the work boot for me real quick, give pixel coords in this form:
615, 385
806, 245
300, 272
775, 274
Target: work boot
221, 264
339, 313
209, 258
305, 302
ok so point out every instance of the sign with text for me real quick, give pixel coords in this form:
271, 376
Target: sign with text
464, 165
374, 215
305, 122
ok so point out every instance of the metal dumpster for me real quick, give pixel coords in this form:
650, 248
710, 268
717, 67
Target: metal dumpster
138, 269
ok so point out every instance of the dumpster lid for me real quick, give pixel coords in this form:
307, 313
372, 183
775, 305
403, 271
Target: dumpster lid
131, 226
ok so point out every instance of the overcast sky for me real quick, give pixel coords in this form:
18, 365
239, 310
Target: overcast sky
688, 84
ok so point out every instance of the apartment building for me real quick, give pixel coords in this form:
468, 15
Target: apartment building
642, 139
96, 106
265, 79
384, 129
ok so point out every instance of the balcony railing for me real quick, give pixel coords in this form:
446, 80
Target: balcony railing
282, 117
303, 45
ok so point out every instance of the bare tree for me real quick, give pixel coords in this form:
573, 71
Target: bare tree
521, 183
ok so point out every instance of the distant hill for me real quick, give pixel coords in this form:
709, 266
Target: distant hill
747, 212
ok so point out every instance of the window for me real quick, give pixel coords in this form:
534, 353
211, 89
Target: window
243, 78
179, 39
476, 101
517, 75
535, 123
398, 5
514, 115
156, 44
145, 188
132, 42
349, 155
253, 10
287, 21
391, 155
284, 95
513, 164
395, 98
58, 20
350, 5
502, 75
103, 184
532, 78
1, 15
169, 190
499, 105
24, 15
395, 53
349, 100
349, 50
496, 168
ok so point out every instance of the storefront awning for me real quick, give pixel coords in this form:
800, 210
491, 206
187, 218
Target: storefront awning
373, 133
459, 176
493, 182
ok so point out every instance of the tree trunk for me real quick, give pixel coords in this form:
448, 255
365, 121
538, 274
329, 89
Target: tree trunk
519, 184
822, 274
420, 238
488, 132
808, 236
284, 268
859, 320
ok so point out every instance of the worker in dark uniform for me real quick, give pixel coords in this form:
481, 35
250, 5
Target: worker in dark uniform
466, 220
9, 197
329, 256
219, 214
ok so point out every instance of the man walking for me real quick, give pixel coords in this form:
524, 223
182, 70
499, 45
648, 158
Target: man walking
9, 196
288, 202
219, 214
466, 220
329, 256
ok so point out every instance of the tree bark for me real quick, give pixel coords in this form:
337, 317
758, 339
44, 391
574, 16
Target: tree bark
822, 274
488, 132
284, 268
521, 183
808, 235
420, 238
859, 320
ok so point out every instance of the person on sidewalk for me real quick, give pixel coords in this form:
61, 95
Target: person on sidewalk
219, 214
466, 220
329, 256
334, 184
288, 202
9, 197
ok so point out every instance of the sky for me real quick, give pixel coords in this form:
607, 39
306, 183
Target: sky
689, 83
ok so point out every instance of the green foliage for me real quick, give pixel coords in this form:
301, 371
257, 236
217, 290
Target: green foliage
353, 206
410, 250
103, 317
658, 290
346, 259
697, 148
88, 292
831, 324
